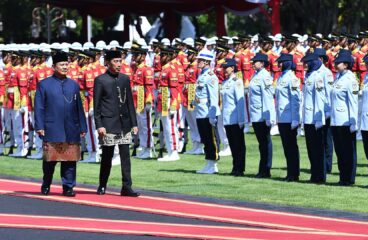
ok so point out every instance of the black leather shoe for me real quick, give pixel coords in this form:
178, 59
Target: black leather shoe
45, 190
263, 175
238, 174
291, 179
69, 192
101, 190
128, 192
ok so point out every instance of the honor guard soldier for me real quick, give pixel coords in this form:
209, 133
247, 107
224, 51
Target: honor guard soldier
19, 83
233, 115
207, 111
143, 85
344, 117
191, 76
2, 100
262, 111
288, 101
364, 115
314, 116
266, 45
220, 73
167, 105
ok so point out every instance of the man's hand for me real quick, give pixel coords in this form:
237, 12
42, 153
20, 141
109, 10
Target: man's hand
135, 130
83, 134
101, 131
41, 132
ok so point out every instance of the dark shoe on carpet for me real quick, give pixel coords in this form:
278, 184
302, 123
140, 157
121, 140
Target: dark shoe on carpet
69, 192
45, 190
101, 190
128, 192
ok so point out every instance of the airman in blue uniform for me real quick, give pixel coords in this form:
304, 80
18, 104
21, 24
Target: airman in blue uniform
262, 111
344, 117
364, 116
314, 116
207, 110
327, 132
288, 114
233, 105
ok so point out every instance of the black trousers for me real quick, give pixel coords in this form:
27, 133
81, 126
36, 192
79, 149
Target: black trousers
235, 135
345, 148
365, 142
328, 145
262, 132
315, 147
291, 149
106, 159
68, 171
209, 138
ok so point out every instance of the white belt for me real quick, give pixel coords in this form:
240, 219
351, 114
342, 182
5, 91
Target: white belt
11, 90
202, 100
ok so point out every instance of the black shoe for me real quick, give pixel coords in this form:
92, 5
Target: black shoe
45, 190
128, 192
238, 174
291, 179
69, 192
263, 175
11, 150
29, 152
345, 183
101, 190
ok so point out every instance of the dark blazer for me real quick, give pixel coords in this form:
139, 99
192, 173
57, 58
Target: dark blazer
109, 113
58, 110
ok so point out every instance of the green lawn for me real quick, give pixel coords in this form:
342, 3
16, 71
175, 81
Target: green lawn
180, 177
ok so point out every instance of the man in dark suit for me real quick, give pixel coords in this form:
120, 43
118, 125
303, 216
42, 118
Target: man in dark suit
60, 122
115, 120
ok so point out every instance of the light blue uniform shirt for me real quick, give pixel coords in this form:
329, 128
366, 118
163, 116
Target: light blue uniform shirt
364, 116
288, 98
207, 95
233, 101
328, 80
344, 100
314, 97
261, 101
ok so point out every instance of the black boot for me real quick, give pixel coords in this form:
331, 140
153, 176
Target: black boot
160, 153
11, 149
29, 153
184, 148
134, 153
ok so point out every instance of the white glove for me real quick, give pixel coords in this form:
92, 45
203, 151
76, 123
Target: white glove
294, 124
353, 128
241, 125
148, 107
22, 109
318, 124
172, 112
213, 121
90, 112
360, 92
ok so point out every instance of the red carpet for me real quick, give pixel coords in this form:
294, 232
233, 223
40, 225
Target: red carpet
159, 229
303, 225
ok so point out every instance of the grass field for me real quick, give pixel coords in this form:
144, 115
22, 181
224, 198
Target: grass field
180, 177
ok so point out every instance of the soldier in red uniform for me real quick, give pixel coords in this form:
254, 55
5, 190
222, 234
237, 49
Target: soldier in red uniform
2, 99
358, 68
8, 59
167, 105
19, 103
291, 48
191, 75
273, 68
143, 96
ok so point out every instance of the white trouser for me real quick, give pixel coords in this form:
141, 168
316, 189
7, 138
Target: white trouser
171, 134
191, 119
145, 133
221, 131
181, 121
20, 128
8, 115
92, 135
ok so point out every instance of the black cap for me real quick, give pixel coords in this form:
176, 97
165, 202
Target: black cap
60, 57
111, 54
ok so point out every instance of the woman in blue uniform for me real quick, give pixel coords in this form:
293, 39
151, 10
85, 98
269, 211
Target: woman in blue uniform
288, 115
314, 116
262, 111
344, 117
233, 114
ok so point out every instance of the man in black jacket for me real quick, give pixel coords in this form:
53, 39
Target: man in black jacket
115, 121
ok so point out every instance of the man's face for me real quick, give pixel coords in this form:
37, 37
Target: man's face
201, 63
61, 68
277, 43
114, 65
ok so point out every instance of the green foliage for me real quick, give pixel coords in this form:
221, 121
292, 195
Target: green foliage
180, 177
